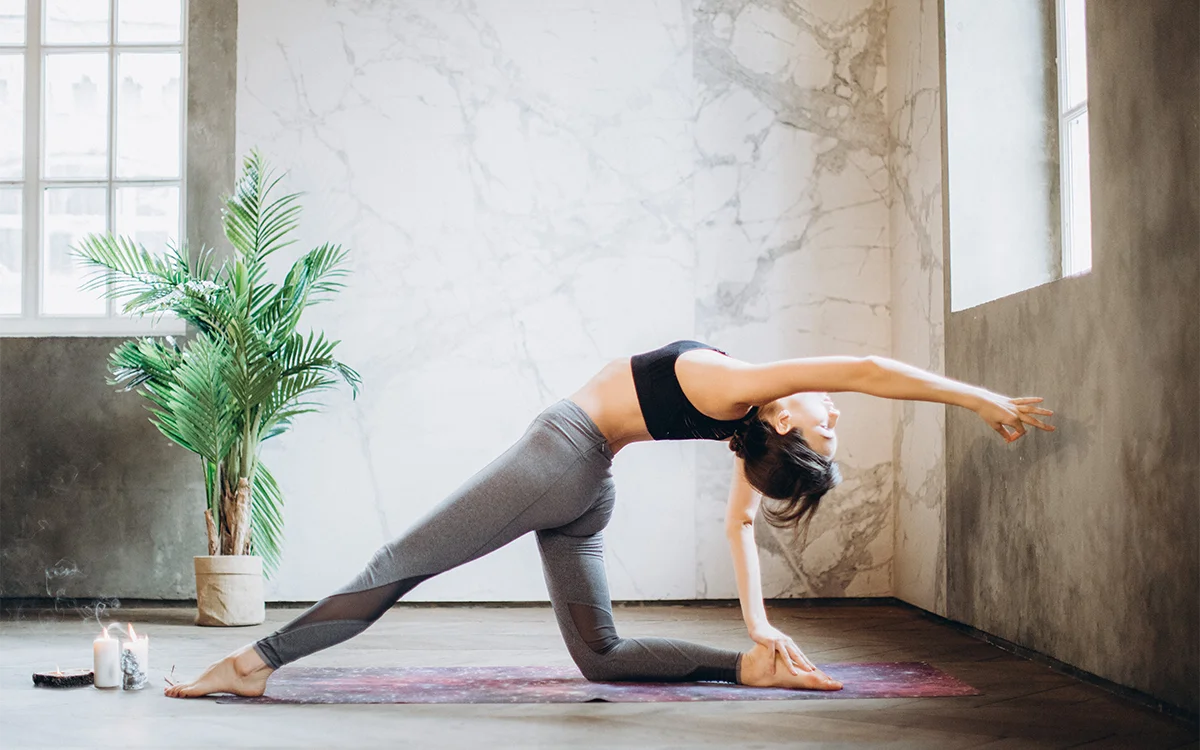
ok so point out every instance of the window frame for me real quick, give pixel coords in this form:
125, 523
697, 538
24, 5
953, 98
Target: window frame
31, 321
1073, 263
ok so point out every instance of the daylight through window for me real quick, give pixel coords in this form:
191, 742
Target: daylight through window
1073, 138
91, 140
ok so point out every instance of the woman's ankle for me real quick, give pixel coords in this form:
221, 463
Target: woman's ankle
247, 661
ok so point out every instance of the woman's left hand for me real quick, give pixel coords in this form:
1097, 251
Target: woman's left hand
1001, 412
780, 643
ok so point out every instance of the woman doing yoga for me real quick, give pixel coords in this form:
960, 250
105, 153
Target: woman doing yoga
557, 481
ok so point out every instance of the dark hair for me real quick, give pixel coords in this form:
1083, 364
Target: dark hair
784, 468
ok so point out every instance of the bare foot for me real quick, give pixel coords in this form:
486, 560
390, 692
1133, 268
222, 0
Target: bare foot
756, 671
242, 673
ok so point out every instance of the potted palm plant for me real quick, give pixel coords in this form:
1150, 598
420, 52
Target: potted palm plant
241, 380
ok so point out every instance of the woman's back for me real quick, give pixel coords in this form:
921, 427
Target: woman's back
680, 381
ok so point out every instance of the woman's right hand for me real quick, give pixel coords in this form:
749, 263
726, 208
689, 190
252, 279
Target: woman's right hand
780, 643
1001, 412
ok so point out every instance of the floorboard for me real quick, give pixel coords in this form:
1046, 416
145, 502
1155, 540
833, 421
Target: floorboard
1024, 704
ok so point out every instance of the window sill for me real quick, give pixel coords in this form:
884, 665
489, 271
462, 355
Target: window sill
94, 327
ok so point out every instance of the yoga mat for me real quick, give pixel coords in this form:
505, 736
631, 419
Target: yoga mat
911, 679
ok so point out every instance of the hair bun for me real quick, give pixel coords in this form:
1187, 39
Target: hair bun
737, 443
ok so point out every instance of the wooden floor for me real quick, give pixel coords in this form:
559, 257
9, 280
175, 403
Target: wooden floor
1023, 705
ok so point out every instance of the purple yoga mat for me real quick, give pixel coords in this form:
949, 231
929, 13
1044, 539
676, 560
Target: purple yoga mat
907, 679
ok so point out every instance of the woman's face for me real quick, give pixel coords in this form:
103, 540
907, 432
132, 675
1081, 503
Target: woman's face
814, 414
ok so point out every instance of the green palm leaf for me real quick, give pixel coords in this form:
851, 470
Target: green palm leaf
247, 373
195, 408
313, 273
255, 225
145, 360
266, 519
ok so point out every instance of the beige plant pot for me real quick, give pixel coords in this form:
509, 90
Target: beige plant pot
229, 590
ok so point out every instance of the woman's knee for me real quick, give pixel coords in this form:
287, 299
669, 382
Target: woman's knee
598, 667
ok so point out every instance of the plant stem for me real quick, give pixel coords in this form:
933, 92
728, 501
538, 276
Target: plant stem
246, 448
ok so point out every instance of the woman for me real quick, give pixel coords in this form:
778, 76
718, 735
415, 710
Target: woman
557, 481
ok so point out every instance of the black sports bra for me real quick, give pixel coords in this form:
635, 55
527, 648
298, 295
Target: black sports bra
668, 413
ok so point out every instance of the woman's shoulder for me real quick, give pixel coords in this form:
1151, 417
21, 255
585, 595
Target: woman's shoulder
680, 347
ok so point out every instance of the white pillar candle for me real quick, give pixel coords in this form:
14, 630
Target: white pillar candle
106, 661
135, 661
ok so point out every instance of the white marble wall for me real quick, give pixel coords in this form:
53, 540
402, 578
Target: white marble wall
792, 251
918, 317
530, 188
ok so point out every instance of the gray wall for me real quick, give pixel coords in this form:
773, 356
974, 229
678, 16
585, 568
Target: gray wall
94, 501
1082, 544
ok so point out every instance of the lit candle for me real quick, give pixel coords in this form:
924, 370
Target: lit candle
106, 661
61, 678
135, 660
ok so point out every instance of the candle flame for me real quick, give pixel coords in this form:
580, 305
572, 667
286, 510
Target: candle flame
132, 635
104, 634
57, 670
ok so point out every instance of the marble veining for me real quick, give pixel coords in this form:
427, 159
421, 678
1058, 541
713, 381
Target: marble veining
792, 246
918, 318
532, 188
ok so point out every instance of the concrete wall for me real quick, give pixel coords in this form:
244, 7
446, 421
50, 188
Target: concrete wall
94, 501
1083, 544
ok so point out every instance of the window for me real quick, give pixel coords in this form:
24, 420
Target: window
91, 140
1002, 150
1076, 200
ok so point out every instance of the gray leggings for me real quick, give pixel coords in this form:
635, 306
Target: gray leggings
556, 480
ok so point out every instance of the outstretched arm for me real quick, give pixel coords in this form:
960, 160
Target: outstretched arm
893, 379
883, 377
739, 527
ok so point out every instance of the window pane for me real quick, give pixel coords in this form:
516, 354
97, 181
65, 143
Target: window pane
12, 21
148, 115
76, 112
150, 217
1081, 195
75, 21
1075, 55
148, 20
12, 116
10, 251
69, 214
